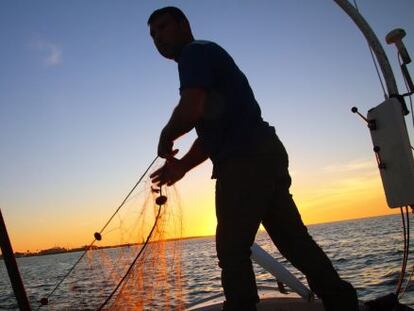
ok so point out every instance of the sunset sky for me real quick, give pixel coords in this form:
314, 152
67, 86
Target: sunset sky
84, 95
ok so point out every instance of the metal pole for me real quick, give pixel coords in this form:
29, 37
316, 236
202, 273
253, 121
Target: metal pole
374, 43
12, 267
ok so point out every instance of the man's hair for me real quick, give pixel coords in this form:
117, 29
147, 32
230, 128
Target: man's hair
176, 13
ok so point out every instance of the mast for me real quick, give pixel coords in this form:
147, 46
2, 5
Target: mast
374, 43
12, 267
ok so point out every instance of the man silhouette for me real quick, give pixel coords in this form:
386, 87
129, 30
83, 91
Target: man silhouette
249, 163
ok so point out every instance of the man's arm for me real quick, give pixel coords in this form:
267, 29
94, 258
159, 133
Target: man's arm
173, 169
195, 156
184, 117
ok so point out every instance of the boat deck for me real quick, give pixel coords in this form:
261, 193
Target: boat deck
269, 301
274, 304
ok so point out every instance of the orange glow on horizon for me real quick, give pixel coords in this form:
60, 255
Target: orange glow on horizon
326, 200
344, 199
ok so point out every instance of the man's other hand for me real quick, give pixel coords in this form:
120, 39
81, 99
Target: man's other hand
171, 172
165, 147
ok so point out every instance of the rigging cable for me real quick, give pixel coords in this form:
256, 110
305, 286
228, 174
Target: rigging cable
44, 301
407, 284
374, 61
406, 233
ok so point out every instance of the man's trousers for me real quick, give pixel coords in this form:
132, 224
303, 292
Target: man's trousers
252, 190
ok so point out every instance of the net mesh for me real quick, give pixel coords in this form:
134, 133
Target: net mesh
134, 263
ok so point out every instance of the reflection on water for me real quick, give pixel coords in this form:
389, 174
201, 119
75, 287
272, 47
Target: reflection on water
366, 252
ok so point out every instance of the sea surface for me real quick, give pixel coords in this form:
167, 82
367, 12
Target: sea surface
367, 252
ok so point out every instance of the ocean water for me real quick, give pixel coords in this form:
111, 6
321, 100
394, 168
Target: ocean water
366, 252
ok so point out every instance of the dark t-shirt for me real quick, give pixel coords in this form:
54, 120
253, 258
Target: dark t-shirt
232, 125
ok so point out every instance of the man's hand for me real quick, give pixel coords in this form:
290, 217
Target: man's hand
171, 172
165, 147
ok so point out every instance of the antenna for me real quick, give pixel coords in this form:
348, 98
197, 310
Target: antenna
395, 37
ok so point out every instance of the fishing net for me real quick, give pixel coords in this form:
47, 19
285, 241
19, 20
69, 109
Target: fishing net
134, 261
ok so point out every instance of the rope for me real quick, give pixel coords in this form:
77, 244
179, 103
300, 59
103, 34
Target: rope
128, 195
103, 228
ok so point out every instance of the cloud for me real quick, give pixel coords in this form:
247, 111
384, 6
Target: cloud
55, 55
352, 166
345, 191
52, 54
343, 183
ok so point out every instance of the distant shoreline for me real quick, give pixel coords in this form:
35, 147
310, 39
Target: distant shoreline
62, 250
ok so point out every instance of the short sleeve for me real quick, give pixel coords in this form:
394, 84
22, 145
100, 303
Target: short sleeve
194, 67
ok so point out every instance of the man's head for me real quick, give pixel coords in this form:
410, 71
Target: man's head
170, 30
